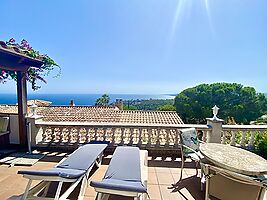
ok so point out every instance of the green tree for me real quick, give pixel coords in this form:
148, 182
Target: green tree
103, 100
148, 104
129, 107
167, 107
242, 104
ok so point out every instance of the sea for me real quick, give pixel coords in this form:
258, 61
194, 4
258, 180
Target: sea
80, 99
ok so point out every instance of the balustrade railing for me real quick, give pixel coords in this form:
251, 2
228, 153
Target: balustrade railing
142, 135
242, 135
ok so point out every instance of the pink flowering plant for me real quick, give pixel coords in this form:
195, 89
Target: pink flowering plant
33, 74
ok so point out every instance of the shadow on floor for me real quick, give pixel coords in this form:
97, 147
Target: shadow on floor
192, 185
172, 164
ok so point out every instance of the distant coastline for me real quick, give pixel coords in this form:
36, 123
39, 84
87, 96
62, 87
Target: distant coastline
81, 99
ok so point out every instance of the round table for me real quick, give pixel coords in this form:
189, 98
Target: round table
234, 159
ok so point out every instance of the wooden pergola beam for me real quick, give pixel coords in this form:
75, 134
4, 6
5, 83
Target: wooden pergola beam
22, 106
11, 59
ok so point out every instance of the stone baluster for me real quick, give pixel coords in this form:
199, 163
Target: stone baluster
243, 138
53, 137
44, 134
79, 135
167, 138
131, 136
87, 135
158, 138
60, 134
68, 130
223, 137
104, 134
177, 138
113, 130
204, 136
95, 133
251, 139
139, 143
149, 132
233, 132
122, 136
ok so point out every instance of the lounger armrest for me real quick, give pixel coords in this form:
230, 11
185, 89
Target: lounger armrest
120, 185
58, 172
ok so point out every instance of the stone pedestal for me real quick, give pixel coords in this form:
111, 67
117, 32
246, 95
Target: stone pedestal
214, 136
36, 133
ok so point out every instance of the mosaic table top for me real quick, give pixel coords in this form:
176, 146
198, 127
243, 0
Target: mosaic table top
234, 159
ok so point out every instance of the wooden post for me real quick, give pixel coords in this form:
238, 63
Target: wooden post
22, 106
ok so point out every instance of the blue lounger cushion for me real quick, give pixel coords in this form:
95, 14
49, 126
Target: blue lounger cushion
75, 165
120, 185
124, 171
83, 158
64, 173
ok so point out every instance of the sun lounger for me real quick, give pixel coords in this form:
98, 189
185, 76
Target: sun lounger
73, 170
126, 175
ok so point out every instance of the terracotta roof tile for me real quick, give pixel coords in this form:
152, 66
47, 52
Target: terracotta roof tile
100, 114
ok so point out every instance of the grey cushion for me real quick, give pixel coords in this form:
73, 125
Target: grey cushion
120, 185
124, 172
75, 165
64, 173
83, 158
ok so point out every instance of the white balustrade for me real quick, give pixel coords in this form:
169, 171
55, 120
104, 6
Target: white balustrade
142, 135
242, 135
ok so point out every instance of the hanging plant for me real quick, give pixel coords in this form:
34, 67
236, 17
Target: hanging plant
33, 74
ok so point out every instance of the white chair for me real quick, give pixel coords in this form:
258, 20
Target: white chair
228, 185
189, 144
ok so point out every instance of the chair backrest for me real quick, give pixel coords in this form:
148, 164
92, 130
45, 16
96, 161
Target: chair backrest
188, 137
3, 124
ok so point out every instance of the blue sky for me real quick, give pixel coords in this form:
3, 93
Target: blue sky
142, 46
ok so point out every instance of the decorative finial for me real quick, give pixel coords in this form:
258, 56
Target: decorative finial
34, 109
215, 111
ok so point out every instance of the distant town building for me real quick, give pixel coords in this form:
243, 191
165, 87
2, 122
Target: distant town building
38, 102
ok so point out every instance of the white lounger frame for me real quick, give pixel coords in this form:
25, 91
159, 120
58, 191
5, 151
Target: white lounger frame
103, 194
30, 194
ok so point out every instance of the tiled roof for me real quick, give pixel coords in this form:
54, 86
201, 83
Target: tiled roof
100, 114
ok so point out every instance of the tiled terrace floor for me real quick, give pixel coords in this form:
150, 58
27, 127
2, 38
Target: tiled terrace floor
161, 174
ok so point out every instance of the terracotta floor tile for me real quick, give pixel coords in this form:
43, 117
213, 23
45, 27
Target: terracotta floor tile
165, 178
90, 191
89, 198
162, 170
152, 178
154, 192
167, 194
151, 170
175, 170
190, 172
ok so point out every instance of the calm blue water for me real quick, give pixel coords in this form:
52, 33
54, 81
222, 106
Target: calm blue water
79, 99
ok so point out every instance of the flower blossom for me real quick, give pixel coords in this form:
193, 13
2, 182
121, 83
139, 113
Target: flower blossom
12, 40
